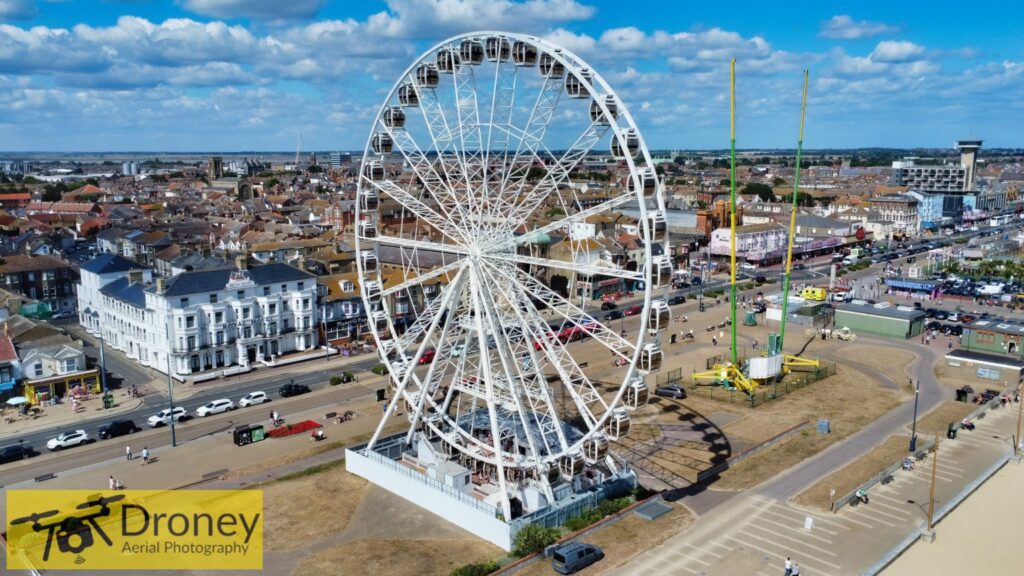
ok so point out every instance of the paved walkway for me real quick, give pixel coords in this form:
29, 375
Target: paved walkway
754, 532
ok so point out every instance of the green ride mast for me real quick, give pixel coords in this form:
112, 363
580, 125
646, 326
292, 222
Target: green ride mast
792, 219
732, 203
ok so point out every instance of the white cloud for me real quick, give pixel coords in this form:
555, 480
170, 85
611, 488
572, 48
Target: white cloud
896, 51
440, 18
17, 10
256, 9
843, 27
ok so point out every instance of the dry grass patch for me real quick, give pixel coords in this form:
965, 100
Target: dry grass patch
849, 400
294, 511
625, 539
937, 421
398, 557
853, 475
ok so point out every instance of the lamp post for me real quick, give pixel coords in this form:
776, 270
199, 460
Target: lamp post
913, 433
170, 397
103, 363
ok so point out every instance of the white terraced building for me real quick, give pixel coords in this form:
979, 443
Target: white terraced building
202, 321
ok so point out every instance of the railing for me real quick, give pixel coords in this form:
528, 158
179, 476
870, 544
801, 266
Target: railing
435, 484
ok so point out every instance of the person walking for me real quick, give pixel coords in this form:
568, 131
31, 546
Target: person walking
789, 566
114, 484
145, 455
796, 569
128, 451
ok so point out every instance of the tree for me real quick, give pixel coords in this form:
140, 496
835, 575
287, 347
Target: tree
778, 181
533, 538
679, 160
270, 183
763, 191
659, 170
804, 199
315, 169
724, 182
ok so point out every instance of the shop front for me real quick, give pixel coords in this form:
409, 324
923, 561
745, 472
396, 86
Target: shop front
45, 391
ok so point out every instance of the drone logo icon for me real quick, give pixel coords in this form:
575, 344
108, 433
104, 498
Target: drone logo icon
74, 534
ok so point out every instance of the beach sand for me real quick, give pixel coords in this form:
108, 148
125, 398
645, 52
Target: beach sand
978, 537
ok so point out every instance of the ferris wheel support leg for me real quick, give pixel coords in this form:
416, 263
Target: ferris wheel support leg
410, 371
474, 282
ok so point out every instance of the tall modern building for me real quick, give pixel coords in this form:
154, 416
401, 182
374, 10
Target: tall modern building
969, 160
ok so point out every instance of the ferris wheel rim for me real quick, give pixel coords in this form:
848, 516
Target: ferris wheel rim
619, 124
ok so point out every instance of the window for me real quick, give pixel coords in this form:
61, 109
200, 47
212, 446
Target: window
347, 286
213, 298
301, 286
68, 366
266, 290
247, 332
220, 338
38, 369
184, 302
218, 317
284, 288
245, 313
191, 343
305, 303
190, 322
241, 294
273, 308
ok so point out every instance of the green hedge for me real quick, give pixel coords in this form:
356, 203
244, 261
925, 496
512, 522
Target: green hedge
534, 538
478, 569
379, 369
592, 515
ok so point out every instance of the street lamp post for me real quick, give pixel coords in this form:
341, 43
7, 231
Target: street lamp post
103, 364
913, 433
170, 397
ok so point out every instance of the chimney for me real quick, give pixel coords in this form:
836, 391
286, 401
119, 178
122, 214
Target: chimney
242, 262
160, 285
134, 276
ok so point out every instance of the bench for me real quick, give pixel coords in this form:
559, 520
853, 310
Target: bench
330, 415
45, 477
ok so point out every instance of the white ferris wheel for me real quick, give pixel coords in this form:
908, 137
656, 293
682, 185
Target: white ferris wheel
478, 257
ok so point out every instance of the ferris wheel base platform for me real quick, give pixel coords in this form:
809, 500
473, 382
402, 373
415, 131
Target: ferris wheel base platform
384, 467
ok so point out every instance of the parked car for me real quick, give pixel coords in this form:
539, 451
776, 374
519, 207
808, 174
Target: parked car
613, 315
16, 452
253, 398
293, 390
696, 282
117, 428
941, 315
215, 407
760, 279
609, 305
677, 392
677, 299
164, 417
799, 266
967, 318
632, 310
748, 266
574, 556
68, 440
428, 356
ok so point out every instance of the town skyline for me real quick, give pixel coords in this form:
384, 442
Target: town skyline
224, 75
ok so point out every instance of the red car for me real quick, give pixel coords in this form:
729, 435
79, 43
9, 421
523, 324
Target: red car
428, 356
633, 310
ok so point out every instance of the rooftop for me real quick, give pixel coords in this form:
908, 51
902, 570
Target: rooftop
886, 312
215, 280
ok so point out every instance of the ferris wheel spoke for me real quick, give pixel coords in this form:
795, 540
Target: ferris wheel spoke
422, 245
577, 267
425, 170
565, 221
419, 279
532, 136
438, 306
559, 172
443, 138
576, 316
418, 209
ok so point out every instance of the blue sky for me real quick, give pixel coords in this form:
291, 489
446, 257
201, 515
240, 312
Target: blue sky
202, 75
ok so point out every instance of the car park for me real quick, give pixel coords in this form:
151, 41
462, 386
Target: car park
613, 315
574, 556
677, 392
68, 439
16, 452
253, 398
632, 310
117, 428
293, 389
164, 417
215, 407
609, 305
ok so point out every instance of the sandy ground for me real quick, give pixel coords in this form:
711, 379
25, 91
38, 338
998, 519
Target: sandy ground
976, 538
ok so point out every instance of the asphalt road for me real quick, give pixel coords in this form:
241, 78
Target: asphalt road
153, 403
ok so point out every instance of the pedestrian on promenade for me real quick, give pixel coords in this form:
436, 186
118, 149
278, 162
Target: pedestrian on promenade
714, 341
145, 455
789, 566
796, 569
128, 451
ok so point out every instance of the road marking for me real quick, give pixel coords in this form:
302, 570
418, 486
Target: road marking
800, 530
860, 514
708, 552
852, 510
888, 506
797, 540
817, 522
813, 560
